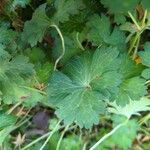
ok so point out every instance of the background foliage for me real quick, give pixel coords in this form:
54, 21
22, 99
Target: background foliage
72, 71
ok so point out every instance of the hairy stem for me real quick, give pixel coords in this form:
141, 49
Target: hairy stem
63, 45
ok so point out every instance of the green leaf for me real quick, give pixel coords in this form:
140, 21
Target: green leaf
126, 134
8, 39
146, 73
35, 54
122, 10
6, 120
21, 3
66, 8
146, 4
19, 93
80, 89
100, 33
124, 5
132, 108
83, 107
35, 29
6, 126
44, 71
13, 72
72, 142
17, 67
145, 55
4, 133
133, 88
128, 67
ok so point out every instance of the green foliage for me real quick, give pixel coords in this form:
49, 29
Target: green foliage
35, 29
146, 4
66, 8
99, 32
6, 120
124, 7
123, 137
6, 125
83, 60
84, 81
133, 108
145, 60
4, 133
72, 142
94, 79
21, 3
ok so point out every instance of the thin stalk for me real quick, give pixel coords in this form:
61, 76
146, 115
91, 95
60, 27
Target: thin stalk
136, 47
37, 140
108, 135
61, 137
47, 140
24, 116
147, 82
144, 19
63, 45
134, 20
133, 42
14, 107
33, 89
144, 119
84, 146
22, 123
79, 44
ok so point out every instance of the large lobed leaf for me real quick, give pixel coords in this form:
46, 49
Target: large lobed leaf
77, 92
87, 81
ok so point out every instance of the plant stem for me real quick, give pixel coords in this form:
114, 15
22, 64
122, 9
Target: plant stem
53, 131
133, 42
134, 20
62, 135
144, 18
108, 135
38, 139
84, 146
79, 44
63, 45
14, 107
33, 89
136, 47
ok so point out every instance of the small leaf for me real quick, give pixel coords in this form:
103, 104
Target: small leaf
35, 29
66, 8
100, 33
133, 108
